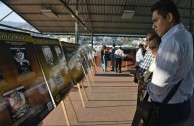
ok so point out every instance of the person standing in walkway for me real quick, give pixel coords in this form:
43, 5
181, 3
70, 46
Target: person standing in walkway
147, 60
104, 58
148, 57
112, 56
139, 56
154, 43
119, 55
174, 62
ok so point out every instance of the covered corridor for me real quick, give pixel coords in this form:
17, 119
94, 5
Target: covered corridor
112, 102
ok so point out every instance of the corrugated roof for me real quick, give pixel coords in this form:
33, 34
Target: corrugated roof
99, 16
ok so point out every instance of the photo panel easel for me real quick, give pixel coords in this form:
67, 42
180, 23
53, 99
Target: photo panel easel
87, 68
55, 69
74, 59
23, 89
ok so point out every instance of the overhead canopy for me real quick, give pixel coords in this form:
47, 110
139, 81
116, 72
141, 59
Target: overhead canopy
98, 16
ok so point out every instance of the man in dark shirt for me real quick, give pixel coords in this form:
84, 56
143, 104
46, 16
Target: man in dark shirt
112, 56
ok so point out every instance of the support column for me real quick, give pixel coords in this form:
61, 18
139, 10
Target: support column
92, 40
76, 24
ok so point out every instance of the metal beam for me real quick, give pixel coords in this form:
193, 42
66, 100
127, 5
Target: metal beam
98, 14
6, 15
116, 28
18, 14
56, 26
70, 21
97, 28
24, 30
83, 28
143, 35
71, 11
88, 14
96, 5
98, 34
24, 4
77, 24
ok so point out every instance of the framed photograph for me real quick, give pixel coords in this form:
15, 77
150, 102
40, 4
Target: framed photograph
59, 52
21, 59
58, 79
17, 103
48, 55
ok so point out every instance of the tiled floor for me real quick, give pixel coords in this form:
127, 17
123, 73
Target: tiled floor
112, 102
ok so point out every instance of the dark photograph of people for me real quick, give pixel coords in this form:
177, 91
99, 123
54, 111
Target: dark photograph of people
17, 103
48, 56
58, 52
21, 59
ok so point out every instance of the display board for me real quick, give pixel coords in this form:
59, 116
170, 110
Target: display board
70, 49
74, 61
129, 53
86, 55
24, 96
54, 65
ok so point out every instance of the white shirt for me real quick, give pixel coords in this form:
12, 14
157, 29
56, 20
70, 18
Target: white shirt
119, 53
174, 61
139, 57
152, 66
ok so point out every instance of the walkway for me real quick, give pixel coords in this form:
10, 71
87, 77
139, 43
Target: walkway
112, 102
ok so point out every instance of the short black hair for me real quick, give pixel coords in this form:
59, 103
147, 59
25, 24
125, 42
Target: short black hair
155, 36
164, 7
140, 45
113, 45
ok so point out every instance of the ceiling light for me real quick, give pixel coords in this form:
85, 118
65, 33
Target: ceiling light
128, 14
49, 13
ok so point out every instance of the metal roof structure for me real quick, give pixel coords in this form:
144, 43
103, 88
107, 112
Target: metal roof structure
95, 16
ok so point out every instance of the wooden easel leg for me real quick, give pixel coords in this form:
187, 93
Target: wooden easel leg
94, 64
126, 65
93, 71
81, 95
73, 108
89, 83
65, 113
84, 91
91, 76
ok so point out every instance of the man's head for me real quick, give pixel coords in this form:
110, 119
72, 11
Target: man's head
141, 46
149, 34
154, 42
164, 16
113, 45
103, 47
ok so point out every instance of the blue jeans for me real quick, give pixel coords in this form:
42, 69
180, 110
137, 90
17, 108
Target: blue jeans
104, 62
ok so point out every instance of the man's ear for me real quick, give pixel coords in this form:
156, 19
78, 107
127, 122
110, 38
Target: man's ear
169, 17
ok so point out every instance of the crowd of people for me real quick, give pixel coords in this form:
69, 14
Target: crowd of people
169, 58
116, 57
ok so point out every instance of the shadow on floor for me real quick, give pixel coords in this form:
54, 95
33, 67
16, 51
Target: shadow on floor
111, 106
114, 75
96, 81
